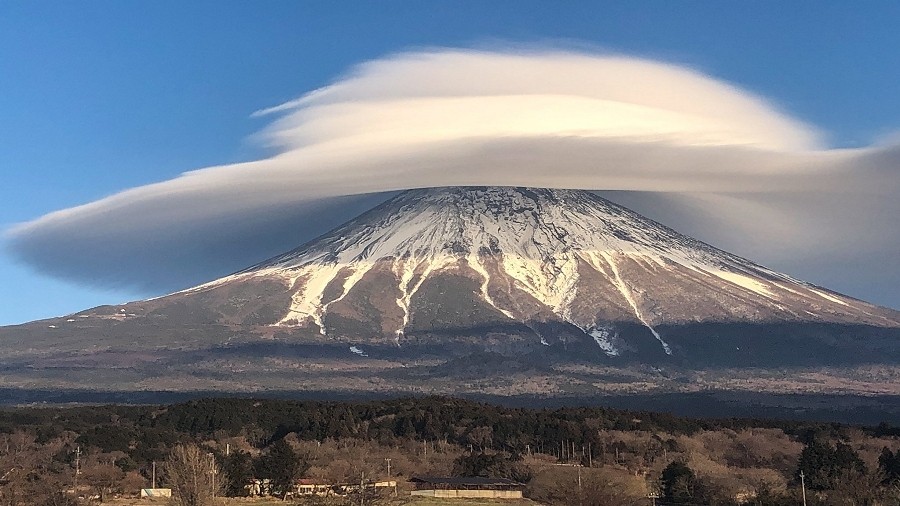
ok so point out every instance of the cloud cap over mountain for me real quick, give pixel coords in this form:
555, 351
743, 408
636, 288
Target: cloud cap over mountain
714, 156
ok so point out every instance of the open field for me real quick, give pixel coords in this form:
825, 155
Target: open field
399, 501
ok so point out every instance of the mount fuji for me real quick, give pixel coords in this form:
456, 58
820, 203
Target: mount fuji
439, 279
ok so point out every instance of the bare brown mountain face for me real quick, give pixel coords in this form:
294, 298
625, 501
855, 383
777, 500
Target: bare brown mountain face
507, 290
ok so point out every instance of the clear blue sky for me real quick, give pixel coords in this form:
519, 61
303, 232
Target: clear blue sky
100, 96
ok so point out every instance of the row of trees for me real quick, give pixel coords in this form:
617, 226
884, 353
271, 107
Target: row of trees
197, 476
144, 432
281, 440
280, 465
832, 473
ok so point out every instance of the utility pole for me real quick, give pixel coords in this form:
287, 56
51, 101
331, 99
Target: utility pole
362, 489
212, 473
77, 468
153, 474
580, 494
388, 467
653, 495
803, 486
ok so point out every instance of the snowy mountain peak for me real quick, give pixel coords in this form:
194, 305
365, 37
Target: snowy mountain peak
489, 256
529, 223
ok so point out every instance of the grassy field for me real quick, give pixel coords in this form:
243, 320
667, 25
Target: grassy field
431, 501
402, 500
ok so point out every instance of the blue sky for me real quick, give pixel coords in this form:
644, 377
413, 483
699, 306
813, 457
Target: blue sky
98, 97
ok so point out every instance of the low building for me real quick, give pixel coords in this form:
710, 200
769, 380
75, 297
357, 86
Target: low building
467, 487
156, 492
313, 487
318, 487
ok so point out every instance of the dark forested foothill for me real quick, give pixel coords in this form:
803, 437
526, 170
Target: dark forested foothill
622, 455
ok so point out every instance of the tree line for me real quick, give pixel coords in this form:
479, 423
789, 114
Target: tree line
476, 439
117, 427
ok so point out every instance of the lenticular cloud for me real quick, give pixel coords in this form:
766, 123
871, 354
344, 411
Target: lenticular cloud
707, 157
436, 96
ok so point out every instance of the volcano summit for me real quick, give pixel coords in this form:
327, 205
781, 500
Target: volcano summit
434, 278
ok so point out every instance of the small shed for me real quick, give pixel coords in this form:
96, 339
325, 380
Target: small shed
467, 487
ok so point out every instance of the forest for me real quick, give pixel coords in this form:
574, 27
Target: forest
592, 455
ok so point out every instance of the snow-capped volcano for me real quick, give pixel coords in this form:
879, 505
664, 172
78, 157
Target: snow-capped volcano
503, 290
542, 264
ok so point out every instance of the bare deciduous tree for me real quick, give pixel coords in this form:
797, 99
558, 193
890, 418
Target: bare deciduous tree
193, 476
104, 478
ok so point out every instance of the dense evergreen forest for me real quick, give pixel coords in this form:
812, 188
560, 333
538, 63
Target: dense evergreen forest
690, 461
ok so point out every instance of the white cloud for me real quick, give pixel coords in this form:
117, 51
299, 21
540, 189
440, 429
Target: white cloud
683, 140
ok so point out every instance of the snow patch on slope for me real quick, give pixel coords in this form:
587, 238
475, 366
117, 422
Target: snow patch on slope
828, 297
744, 282
474, 261
626, 292
604, 340
359, 271
406, 269
307, 301
551, 280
